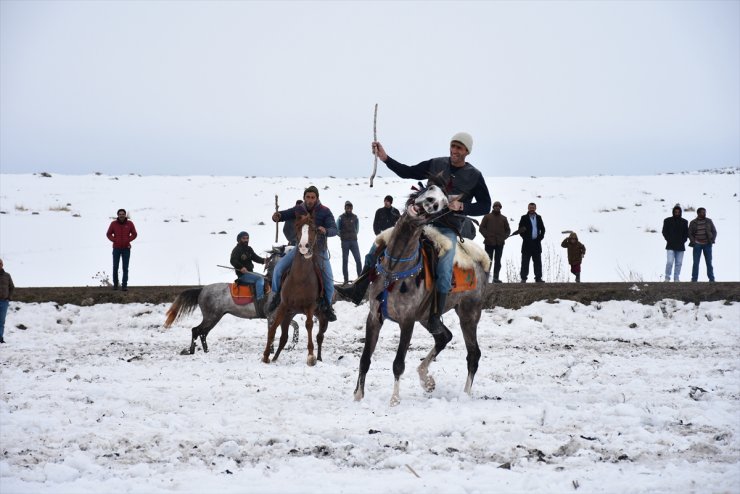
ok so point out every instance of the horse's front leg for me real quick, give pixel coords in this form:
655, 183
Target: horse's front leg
271, 328
440, 342
372, 330
399, 364
311, 359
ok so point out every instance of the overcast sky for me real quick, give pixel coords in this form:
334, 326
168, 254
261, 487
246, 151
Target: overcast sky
288, 88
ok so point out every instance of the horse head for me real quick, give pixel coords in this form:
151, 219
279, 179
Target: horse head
305, 235
427, 202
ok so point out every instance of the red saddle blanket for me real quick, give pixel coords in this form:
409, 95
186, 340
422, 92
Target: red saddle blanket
462, 279
241, 294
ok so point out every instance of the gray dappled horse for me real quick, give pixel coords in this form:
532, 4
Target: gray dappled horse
214, 302
408, 301
300, 293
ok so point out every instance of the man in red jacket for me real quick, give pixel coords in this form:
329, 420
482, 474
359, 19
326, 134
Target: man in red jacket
121, 232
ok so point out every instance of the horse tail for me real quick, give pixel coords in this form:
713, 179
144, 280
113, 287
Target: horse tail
183, 305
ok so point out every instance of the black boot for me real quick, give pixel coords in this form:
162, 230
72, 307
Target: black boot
274, 302
435, 325
259, 307
578, 277
356, 291
328, 310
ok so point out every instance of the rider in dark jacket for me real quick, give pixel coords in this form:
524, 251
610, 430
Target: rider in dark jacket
327, 227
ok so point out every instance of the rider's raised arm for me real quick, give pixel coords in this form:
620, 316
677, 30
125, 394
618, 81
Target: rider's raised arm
418, 172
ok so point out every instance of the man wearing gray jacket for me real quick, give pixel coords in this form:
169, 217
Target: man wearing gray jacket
702, 235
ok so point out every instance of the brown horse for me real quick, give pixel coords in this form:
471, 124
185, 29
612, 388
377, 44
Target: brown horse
300, 294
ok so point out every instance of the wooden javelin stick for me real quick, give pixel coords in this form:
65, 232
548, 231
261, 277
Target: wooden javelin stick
276, 223
375, 138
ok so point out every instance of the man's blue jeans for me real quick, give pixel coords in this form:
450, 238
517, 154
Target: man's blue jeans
117, 255
673, 257
3, 311
326, 272
707, 250
258, 280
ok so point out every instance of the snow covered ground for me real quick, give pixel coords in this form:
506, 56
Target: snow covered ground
53, 228
609, 397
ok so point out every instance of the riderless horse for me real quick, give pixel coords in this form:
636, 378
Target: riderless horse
399, 292
301, 293
215, 301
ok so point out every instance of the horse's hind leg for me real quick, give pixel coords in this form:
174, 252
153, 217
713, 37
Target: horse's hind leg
372, 330
201, 330
399, 364
323, 324
283, 338
469, 317
271, 328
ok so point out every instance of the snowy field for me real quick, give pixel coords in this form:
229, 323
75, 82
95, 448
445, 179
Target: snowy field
52, 229
611, 397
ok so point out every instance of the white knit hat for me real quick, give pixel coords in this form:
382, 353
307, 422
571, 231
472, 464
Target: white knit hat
465, 139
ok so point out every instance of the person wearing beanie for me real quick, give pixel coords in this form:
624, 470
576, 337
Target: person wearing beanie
327, 227
385, 217
243, 258
495, 230
675, 233
348, 225
121, 232
576, 252
469, 197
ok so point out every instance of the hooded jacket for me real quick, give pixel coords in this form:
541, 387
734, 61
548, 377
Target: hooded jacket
675, 230
576, 250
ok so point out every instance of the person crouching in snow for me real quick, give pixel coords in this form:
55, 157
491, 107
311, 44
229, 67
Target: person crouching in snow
576, 251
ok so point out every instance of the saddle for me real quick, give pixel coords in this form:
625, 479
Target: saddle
244, 293
434, 245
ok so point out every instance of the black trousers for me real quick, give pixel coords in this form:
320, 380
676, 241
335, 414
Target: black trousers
494, 253
536, 258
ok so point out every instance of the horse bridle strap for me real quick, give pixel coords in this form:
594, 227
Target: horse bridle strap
392, 276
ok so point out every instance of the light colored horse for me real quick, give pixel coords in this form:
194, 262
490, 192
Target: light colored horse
399, 293
214, 302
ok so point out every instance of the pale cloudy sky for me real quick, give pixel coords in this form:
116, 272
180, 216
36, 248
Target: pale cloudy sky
288, 88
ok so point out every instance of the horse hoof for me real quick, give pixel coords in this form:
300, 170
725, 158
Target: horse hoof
359, 396
311, 360
266, 360
395, 401
428, 384
186, 351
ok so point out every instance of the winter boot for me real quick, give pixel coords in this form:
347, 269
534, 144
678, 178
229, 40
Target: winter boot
274, 302
356, 291
578, 277
259, 307
328, 310
435, 325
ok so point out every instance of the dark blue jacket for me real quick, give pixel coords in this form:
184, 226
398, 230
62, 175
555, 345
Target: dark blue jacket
322, 217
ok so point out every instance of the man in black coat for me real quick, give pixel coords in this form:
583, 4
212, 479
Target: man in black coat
675, 233
532, 231
385, 217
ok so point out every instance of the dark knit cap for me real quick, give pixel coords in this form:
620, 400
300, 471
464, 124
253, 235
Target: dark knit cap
311, 188
240, 235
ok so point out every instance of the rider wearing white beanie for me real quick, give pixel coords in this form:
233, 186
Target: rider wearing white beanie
465, 139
